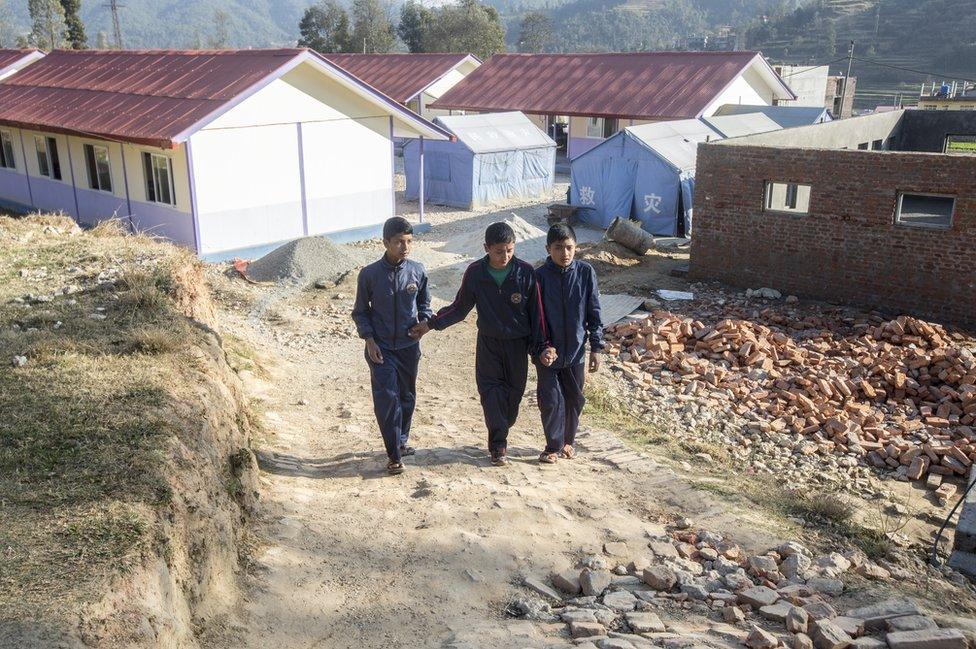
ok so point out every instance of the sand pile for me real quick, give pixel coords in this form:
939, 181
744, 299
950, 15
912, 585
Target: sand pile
530, 241
309, 259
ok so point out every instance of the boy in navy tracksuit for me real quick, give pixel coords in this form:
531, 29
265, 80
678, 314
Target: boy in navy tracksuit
571, 300
392, 297
511, 326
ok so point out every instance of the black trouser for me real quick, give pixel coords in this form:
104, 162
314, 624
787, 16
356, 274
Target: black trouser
394, 383
560, 393
500, 369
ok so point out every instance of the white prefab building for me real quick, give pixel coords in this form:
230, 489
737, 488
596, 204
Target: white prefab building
225, 152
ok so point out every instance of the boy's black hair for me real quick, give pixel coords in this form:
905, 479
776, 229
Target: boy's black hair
396, 225
499, 233
560, 232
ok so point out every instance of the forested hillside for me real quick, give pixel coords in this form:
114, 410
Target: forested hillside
892, 37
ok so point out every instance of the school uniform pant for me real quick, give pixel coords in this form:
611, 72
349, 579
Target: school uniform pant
501, 368
394, 383
560, 395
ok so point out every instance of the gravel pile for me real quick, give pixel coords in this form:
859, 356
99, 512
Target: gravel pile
530, 241
306, 260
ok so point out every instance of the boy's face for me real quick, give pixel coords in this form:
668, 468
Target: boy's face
398, 247
499, 254
562, 252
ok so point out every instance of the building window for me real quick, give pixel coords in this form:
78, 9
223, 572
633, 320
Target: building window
7, 159
925, 210
48, 163
863, 146
99, 170
594, 127
159, 178
877, 145
961, 144
787, 197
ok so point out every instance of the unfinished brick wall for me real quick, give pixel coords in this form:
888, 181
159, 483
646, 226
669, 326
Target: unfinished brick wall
847, 249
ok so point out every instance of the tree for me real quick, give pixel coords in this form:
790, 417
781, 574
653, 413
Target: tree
101, 41
47, 24
325, 28
535, 33
220, 38
372, 28
415, 22
468, 26
75, 28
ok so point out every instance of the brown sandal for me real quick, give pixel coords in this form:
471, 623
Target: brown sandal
394, 468
547, 458
568, 452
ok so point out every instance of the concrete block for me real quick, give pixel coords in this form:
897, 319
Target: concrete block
927, 639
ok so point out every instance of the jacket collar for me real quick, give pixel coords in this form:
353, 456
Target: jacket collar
556, 268
387, 265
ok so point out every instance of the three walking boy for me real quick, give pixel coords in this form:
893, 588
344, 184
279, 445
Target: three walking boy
547, 314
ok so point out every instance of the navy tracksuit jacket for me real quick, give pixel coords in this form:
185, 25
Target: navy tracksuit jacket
571, 301
511, 325
389, 300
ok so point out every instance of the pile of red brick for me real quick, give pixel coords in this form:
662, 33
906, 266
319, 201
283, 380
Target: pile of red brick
897, 393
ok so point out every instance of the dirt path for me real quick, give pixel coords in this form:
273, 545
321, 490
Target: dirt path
429, 558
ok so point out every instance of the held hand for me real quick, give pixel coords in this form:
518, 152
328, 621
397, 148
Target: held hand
548, 356
596, 361
419, 330
373, 351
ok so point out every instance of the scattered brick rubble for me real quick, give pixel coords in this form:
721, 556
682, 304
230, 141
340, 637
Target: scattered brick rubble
898, 395
781, 598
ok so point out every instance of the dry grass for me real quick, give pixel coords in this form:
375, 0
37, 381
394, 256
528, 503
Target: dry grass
86, 422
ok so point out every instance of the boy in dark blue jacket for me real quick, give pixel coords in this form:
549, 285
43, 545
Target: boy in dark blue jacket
392, 297
571, 300
511, 326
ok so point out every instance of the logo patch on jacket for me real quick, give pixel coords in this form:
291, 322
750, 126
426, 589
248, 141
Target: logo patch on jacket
412, 288
516, 298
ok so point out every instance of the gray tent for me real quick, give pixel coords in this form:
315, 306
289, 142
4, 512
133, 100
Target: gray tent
497, 156
785, 116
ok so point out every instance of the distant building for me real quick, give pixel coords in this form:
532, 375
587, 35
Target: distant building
840, 96
867, 211
414, 80
600, 94
952, 96
808, 82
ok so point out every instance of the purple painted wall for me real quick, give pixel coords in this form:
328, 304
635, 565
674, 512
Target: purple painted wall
13, 187
162, 221
96, 206
580, 145
53, 196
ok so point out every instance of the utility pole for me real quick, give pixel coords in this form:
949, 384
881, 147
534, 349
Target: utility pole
847, 79
113, 6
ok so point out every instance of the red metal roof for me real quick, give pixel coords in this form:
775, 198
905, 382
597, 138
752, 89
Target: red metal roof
400, 76
147, 97
639, 85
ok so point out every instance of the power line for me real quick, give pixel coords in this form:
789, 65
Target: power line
898, 67
828, 63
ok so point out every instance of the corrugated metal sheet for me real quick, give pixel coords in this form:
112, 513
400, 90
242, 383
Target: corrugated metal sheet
400, 76
640, 85
496, 132
138, 96
739, 125
785, 116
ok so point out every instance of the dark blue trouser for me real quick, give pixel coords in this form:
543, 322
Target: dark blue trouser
560, 394
394, 383
501, 369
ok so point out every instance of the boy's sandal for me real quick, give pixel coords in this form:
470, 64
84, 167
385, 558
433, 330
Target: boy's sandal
394, 468
568, 452
547, 458
499, 458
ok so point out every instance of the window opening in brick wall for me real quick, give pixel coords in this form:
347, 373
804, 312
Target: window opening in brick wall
877, 145
925, 210
863, 146
787, 197
960, 145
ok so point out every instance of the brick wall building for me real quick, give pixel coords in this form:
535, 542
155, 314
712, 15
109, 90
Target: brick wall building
832, 223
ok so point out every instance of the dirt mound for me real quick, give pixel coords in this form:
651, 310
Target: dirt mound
530, 241
308, 259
